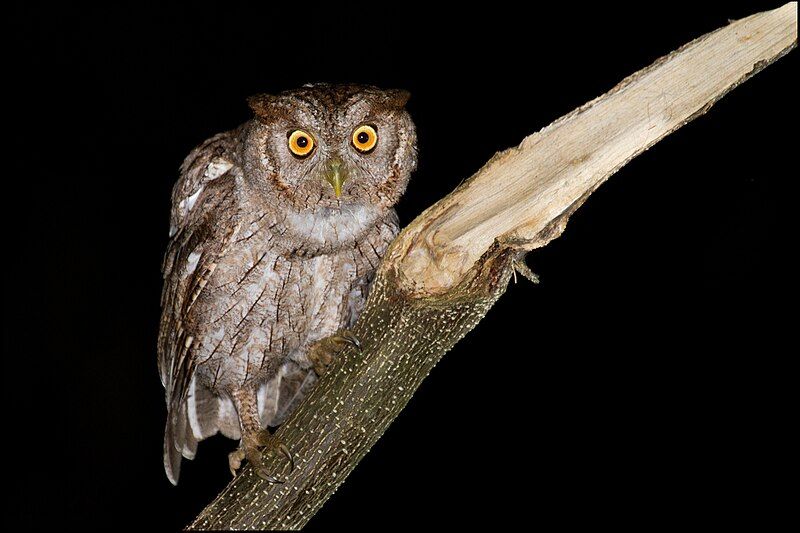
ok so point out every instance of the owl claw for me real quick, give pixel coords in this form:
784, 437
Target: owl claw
322, 352
286, 453
270, 442
266, 476
253, 450
235, 459
349, 337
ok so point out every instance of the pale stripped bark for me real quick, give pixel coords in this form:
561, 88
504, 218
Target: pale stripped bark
447, 268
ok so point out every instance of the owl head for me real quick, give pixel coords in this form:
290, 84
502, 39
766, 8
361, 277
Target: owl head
324, 148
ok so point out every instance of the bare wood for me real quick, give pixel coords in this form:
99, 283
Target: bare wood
446, 269
524, 189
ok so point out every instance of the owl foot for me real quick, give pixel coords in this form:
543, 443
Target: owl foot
235, 459
262, 443
270, 443
323, 351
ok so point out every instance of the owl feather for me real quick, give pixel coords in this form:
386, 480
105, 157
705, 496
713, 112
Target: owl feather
276, 230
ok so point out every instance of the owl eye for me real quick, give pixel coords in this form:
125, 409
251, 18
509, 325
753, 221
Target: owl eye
301, 143
365, 138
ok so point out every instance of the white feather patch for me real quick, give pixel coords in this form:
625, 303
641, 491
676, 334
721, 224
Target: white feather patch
194, 422
333, 226
187, 452
192, 199
216, 168
227, 419
191, 261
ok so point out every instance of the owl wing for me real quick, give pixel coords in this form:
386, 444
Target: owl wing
203, 222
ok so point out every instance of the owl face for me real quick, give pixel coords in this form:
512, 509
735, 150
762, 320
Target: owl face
325, 148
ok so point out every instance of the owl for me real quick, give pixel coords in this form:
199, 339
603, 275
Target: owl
277, 228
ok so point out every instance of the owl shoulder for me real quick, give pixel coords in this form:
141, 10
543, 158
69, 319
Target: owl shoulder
214, 158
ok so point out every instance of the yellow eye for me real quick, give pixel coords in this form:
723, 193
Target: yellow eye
365, 138
301, 143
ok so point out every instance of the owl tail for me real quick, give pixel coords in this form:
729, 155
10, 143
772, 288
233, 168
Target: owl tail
172, 455
188, 422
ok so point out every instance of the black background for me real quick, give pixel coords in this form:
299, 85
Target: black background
644, 381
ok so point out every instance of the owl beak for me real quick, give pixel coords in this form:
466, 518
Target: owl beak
336, 176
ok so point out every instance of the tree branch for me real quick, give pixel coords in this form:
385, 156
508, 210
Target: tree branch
449, 266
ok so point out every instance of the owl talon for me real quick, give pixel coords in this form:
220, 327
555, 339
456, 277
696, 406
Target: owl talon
286, 453
320, 356
266, 476
235, 459
270, 442
253, 449
323, 351
349, 337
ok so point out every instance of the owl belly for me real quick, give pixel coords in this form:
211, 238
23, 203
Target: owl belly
265, 308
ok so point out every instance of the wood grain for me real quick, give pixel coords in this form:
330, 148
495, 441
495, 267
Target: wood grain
517, 196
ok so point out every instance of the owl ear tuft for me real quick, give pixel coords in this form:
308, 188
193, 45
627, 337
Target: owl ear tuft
397, 98
261, 103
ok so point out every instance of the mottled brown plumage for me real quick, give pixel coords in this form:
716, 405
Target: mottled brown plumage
265, 260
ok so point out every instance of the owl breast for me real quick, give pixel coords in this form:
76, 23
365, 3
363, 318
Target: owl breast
327, 229
267, 301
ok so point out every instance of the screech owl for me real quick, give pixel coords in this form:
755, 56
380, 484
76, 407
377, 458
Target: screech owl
277, 228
